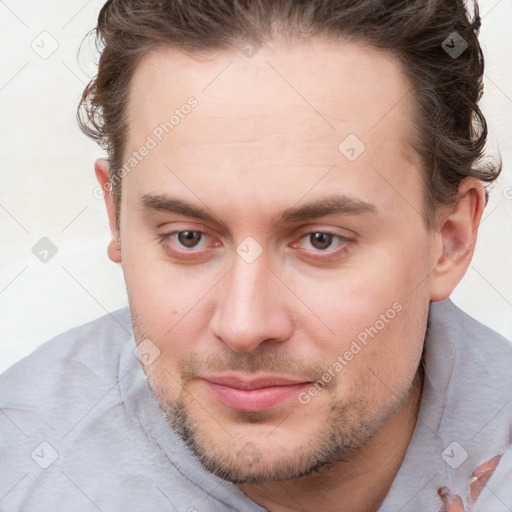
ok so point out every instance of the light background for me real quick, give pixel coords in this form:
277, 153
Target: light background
47, 180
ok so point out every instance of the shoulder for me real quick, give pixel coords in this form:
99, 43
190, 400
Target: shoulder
63, 367
469, 382
469, 364
470, 337
56, 406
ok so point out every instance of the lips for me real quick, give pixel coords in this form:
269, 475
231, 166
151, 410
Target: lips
253, 394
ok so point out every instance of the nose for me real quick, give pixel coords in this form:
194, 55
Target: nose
251, 308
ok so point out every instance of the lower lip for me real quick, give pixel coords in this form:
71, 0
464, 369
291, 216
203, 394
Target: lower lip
253, 400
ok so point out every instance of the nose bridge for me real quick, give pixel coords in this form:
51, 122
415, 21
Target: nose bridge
249, 310
246, 291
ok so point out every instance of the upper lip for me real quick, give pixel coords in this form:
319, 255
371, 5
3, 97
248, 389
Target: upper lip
248, 383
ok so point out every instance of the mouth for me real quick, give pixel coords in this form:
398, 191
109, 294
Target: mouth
254, 394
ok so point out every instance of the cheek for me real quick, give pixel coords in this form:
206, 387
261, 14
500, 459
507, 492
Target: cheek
372, 314
171, 305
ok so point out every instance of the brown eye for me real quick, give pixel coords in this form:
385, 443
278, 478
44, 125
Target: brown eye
321, 240
189, 238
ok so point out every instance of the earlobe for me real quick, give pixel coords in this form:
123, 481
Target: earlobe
114, 251
457, 229
114, 247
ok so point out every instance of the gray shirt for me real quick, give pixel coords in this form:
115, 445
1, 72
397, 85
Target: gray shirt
82, 431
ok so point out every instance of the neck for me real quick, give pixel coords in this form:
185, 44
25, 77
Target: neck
359, 483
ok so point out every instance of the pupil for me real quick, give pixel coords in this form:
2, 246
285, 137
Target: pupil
189, 238
321, 240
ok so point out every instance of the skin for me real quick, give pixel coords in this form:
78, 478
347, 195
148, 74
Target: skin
252, 149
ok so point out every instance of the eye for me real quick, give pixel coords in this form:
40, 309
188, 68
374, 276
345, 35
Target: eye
320, 241
189, 239
322, 245
187, 243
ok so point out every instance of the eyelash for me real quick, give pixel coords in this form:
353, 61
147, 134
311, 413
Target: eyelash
164, 239
346, 244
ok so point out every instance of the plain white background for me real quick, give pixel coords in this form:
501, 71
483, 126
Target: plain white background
47, 179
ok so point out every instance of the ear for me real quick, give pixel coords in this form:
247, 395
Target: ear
114, 247
457, 227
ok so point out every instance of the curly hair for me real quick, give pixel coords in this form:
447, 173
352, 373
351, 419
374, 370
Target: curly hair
450, 130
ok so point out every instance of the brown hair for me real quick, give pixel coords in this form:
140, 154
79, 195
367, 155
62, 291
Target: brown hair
450, 130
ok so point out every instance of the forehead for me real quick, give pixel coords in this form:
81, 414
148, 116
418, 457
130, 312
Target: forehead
335, 86
331, 63
276, 117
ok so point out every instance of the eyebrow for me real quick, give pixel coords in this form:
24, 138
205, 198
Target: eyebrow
330, 205
165, 203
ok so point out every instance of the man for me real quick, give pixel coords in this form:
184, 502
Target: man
293, 194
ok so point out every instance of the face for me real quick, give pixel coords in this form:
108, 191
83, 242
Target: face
274, 250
